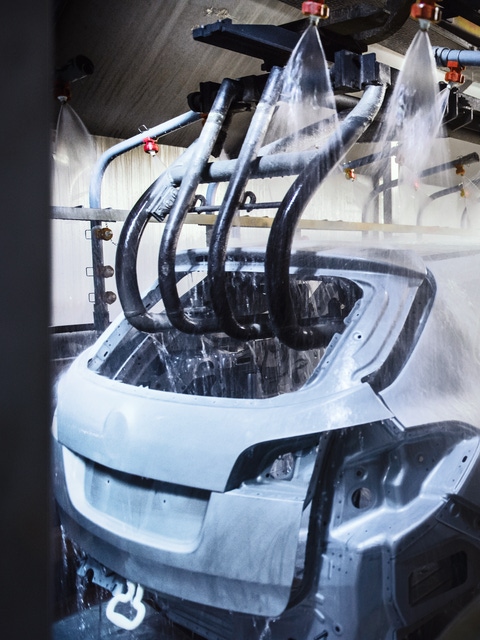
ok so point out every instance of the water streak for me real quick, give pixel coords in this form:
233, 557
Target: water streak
306, 110
469, 194
415, 113
74, 157
266, 634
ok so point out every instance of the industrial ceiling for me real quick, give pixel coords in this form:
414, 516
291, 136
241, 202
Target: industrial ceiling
146, 60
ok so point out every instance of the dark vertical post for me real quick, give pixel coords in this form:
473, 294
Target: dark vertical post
101, 318
25, 389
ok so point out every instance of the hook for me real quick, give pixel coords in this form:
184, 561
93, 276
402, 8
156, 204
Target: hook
133, 597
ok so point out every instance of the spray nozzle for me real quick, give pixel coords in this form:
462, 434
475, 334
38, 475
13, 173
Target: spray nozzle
315, 10
75, 69
150, 146
454, 73
425, 13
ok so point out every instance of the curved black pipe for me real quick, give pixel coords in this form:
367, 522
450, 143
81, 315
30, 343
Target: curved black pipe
233, 197
277, 261
156, 201
212, 128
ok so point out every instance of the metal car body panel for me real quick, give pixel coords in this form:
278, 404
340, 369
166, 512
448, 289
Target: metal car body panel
176, 491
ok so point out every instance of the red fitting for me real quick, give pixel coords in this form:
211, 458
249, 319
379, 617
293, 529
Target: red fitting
426, 10
317, 9
150, 146
63, 91
455, 72
350, 174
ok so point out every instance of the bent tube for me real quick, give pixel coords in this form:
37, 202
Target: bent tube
160, 195
166, 260
236, 187
126, 145
100, 312
277, 261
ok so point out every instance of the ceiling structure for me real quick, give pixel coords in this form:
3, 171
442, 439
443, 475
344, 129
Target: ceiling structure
146, 60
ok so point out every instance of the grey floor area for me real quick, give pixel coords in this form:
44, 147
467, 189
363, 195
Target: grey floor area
79, 605
92, 624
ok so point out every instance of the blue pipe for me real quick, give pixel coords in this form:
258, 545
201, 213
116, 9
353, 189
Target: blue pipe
126, 145
464, 57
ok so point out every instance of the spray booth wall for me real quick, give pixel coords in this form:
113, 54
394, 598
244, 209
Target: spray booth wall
124, 181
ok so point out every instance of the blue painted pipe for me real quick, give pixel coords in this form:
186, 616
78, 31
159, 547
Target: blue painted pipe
464, 57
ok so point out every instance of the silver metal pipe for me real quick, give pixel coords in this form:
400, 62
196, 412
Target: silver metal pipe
126, 145
100, 309
270, 166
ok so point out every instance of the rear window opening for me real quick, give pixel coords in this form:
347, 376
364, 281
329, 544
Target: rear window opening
220, 366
